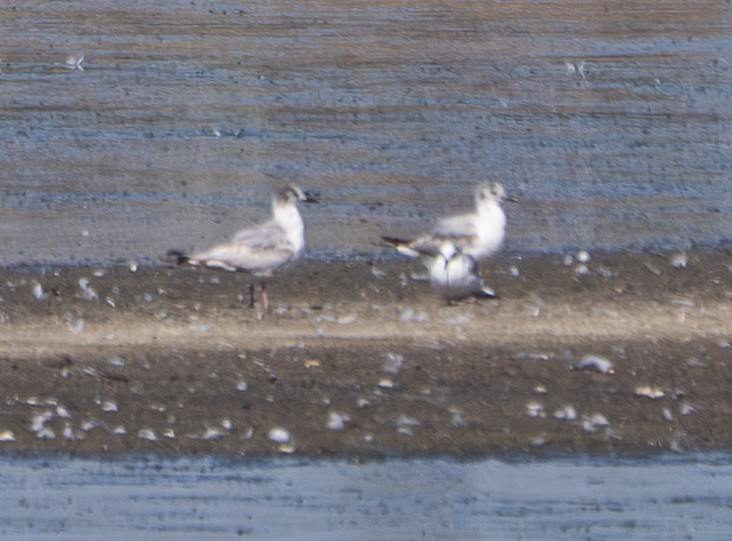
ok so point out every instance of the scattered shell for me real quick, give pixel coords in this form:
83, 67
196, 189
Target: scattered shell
286, 448
581, 270
568, 260
86, 426
539, 388
169, 433
109, 406
211, 434
535, 409
598, 363
514, 271
411, 314
378, 273
337, 421
38, 421
667, 414
87, 292
7, 436
393, 362
147, 434
46, 434
533, 356
649, 391
242, 385
566, 413
686, 409
115, 360
386, 383
348, 319
406, 420
679, 260
132, 265
654, 269
458, 421
597, 420
62, 412
583, 256
77, 327
119, 430
227, 424
68, 432
39, 292
405, 431
279, 435
363, 403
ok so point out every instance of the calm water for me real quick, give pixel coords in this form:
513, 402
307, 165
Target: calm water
207, 499
609, 121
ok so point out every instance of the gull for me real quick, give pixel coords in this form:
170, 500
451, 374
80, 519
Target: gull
262, 249
454, 273
477, 236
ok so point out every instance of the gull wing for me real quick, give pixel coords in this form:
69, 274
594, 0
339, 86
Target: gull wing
456, 227
263, 247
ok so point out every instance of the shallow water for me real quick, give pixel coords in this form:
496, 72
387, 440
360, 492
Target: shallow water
209, 498
185, 117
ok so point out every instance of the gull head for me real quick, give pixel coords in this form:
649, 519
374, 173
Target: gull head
291, 194
492, 191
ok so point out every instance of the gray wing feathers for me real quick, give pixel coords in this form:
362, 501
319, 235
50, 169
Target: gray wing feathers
259, 248
456, 227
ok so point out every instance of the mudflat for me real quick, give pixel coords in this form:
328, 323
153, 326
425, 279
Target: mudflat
628, 353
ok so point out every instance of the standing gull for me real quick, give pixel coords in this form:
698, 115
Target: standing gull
261, 249
476, 236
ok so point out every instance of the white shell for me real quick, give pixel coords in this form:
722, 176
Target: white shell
279, 435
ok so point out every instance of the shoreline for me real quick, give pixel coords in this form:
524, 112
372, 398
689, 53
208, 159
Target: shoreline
359, 359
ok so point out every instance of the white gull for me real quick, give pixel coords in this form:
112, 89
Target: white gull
260, 249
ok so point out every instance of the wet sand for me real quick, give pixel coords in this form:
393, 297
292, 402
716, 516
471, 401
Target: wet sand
357, 358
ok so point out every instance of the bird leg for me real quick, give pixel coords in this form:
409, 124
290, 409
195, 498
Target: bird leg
265, 297
251, 295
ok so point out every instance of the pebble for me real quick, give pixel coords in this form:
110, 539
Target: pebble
119, 430
279, 435
7, 436
227, 424
242, 385
386, 383
583, 256
169, 433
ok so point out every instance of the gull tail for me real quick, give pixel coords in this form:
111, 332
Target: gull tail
177, 256
401, 245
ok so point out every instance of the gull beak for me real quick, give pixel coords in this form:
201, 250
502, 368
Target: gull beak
310, 197
512, 200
